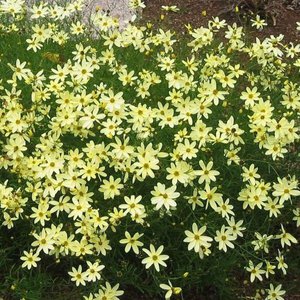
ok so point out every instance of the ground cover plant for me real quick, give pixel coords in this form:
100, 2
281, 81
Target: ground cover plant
137, 164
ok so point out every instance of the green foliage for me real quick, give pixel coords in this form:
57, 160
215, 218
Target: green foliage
132, 161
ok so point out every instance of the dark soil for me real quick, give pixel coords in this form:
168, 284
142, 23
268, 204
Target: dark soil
281, 15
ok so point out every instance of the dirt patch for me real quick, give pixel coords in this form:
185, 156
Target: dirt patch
281, 19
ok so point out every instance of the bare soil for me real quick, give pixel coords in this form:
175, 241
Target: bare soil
281, 15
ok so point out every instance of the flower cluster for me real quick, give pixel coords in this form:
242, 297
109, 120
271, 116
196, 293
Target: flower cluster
122, 148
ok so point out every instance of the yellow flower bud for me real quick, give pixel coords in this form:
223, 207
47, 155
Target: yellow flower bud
176, 290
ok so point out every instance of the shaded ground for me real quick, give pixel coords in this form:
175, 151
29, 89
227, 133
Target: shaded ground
281, 15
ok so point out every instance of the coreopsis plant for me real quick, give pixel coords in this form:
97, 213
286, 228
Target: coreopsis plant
129, 160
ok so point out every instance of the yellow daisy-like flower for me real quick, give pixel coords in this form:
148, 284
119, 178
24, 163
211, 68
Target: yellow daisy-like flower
155, 257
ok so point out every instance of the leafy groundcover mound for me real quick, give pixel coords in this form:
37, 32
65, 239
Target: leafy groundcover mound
134, 162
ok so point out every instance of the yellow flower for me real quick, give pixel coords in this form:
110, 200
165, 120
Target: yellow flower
275, 293
15, 146
155, 257
77, 28
93, 271
196, 239
211, 196
212, 92
172, 8
44, 241
250, 174
170, 289
258, 22
132, 205
224, 238
179, 172
111, 188
41, 213
250, 96
286, 238
225, 209
135, 4
132, 242
78, 276
282, 265
255, 271
163, 196
206, 173
285, 189
30, 259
